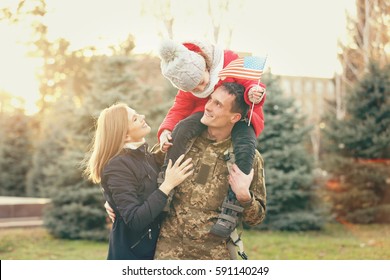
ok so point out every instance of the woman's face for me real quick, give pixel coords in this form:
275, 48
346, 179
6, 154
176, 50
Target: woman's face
203, 83
138, 128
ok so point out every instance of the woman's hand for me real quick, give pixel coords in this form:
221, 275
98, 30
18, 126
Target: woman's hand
176, 173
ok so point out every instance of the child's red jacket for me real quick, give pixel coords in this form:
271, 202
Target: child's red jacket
186, 103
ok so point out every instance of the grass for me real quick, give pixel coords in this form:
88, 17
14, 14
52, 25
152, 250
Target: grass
37, 244
335, 242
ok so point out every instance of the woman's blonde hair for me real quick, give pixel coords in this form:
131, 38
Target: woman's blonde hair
109, 139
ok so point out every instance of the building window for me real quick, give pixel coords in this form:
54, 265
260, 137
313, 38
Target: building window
297, 87
319, 87
286, 86
330, 88
308, 87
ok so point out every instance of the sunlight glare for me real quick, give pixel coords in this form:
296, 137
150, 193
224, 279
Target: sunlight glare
300, 38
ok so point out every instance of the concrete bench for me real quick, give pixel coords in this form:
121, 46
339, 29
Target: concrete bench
21, 211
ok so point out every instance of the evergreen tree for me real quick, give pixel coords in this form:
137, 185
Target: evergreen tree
72, 95
77, 205
291, 194
359, 151
71, 85
15, 152
73, 213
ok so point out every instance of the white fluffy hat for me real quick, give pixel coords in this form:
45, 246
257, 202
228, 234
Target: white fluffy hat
182, 67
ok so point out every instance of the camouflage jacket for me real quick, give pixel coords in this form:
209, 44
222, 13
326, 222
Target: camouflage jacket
197, 201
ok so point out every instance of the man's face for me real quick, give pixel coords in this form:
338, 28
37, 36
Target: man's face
217, 112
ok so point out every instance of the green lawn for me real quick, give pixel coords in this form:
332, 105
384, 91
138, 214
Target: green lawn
37, 244
336, 242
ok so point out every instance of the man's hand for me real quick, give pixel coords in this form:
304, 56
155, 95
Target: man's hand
165, 140
256, 94
110, 211
240, 183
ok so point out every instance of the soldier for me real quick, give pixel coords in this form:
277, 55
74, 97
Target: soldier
185, 233
195, 207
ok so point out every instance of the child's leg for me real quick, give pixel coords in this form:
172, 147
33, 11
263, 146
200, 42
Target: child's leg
184, 131
244, 146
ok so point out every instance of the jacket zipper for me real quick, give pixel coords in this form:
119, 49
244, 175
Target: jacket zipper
149, 232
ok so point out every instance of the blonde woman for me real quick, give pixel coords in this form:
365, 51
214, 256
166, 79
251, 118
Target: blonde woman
127, 172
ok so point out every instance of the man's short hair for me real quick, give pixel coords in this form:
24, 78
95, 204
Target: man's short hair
239, 105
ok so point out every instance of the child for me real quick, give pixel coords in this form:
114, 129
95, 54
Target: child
127, 172
193, 68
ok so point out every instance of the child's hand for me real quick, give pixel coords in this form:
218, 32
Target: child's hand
256, 94
165, 140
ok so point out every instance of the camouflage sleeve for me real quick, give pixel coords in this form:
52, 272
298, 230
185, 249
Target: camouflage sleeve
254, 210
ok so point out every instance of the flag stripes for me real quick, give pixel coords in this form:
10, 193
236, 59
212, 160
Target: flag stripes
248, 68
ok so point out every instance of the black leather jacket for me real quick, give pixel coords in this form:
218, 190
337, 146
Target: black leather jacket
129, 183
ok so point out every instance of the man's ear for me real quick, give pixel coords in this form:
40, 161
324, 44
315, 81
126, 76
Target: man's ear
236, 117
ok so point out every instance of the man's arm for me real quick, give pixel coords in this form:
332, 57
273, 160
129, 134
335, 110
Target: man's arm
250, 191
240, 183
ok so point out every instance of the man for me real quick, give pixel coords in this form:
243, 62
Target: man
185, 233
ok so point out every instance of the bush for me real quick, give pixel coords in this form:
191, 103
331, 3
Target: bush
77, 214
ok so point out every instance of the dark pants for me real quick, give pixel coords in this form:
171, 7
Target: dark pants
243, 139
183, 132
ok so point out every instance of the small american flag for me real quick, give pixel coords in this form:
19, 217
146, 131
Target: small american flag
247, 68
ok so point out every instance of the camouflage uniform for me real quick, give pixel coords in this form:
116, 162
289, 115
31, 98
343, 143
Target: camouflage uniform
196, 205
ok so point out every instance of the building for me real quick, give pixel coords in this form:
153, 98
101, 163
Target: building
310, 94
